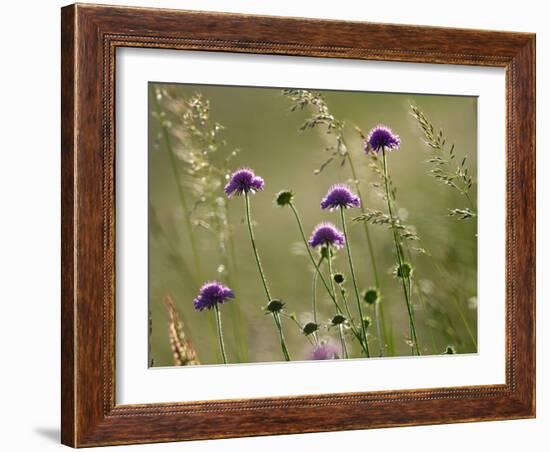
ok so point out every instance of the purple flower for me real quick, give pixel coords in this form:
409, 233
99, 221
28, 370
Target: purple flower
326, 234
212, 293
324, 350
340, 196
243, 181
382, 137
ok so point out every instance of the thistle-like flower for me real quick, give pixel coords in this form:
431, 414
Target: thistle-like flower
340, 196
326, 234
324, 350
243, 181
211, 294
382, 137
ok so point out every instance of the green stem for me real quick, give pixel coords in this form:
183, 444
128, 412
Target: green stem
379, 327
301, 328
277, 318
310, 254
331, 293
354, 280
338, 311
220, 333
398, 252
262, 276
380, 316
314, 291
366, 342
354, 328
365, 224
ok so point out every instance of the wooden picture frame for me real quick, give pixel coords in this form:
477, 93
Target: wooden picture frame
90, 35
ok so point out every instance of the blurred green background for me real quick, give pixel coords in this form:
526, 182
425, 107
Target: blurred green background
258, 121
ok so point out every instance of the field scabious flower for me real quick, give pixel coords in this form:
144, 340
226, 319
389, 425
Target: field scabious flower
211, 294
243, 181
324, 350
340, 196
326, 234
382, 137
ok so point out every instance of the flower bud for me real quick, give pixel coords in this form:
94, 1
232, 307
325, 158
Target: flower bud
338, 319
404, 271
371, 296
339, 278
275, 306
284, 198
310, 328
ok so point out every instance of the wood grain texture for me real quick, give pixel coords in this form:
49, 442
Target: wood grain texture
90, 36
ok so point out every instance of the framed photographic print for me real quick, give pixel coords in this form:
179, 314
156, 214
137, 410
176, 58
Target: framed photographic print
280, 225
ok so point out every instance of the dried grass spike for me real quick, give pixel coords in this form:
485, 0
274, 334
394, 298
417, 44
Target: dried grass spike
183, 352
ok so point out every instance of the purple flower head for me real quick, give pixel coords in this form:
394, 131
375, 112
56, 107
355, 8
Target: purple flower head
243, 181
212, 293
340, 196
324, 350
326, 234
382, 137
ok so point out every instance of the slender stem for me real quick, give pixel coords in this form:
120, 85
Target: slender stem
220, 333
354, 329
338, 311
379, 327
254, 248
365, 224
414, 285
398, 252
366, 342
314, 291
331, 293
354, 279
380, 316
310, 254
262, 276
301, 328
346, 306
277, 318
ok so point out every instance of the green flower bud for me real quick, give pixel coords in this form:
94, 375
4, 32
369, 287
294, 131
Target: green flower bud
367, 322
371, 296
404, 271
338, 319
310, 328
275, 306
284, 198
